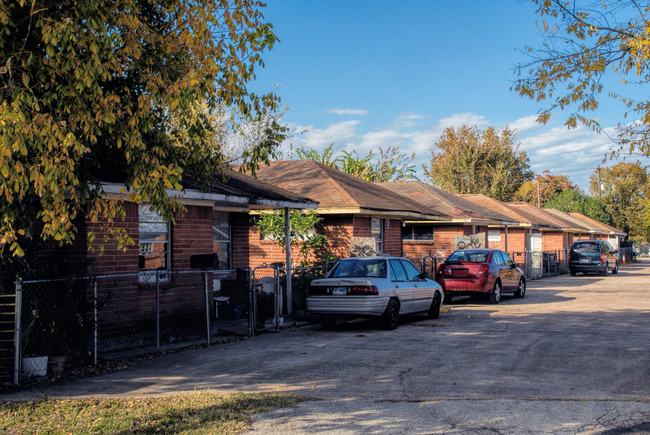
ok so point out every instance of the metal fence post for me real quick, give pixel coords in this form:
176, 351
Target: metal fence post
157, 310
207, 305
252, 310
17, 329
278, 295
96, 327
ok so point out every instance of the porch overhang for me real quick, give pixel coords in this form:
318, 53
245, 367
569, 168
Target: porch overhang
227, 202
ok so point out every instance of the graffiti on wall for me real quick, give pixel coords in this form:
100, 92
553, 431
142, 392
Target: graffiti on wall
469, 242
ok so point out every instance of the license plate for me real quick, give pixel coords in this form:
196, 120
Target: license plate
338, 291
585, 260
460, 273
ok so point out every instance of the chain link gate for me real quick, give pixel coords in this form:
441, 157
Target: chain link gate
266, 298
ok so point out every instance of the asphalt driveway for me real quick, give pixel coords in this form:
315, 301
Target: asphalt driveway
571, 357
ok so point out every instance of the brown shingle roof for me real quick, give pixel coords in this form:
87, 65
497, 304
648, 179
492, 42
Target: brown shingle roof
334, 189
575, 222
497, 206
604, 228
443, 202
539, 216
521, 212
237, 190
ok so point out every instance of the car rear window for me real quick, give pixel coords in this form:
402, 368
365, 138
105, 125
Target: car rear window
585, 247
375, 268
477, 256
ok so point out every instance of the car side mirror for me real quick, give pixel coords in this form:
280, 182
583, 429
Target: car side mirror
615, 251
424, 275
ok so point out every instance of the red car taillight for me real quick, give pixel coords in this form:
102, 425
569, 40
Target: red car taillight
364, 290
602, 257
482, 270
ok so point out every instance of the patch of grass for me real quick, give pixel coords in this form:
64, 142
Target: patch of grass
201, 412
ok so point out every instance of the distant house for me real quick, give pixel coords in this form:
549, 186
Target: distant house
526, 235
587, 229
357, 214
614, 235
464, 218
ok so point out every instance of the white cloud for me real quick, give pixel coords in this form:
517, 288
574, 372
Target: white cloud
460, 119
352, 112
341, 132
573, 152
525, 124
410, 116
383, 138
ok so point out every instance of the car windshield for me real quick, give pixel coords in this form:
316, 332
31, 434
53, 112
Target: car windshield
366, 268
585, 247
476, 256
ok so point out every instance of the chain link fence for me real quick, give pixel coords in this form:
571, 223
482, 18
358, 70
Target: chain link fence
66, 323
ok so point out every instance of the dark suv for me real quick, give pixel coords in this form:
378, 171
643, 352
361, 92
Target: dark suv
592, 256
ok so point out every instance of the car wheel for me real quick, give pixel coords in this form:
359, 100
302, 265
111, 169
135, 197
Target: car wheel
572, 272
434, 310
328, 322
495, 296
521, 290
390, 319
605, 271
615, 271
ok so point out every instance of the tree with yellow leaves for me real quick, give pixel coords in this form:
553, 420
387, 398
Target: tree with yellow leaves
585, 42
94, 89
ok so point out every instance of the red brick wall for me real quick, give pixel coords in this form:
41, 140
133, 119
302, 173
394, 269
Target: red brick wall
240, 237
442, 245
191, 235
393, 237
362, 226
114, 260
553, 240
338, 229
516, 240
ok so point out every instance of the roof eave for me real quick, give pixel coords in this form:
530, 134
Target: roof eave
227, 200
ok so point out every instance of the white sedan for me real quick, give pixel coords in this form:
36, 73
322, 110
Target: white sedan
383, 287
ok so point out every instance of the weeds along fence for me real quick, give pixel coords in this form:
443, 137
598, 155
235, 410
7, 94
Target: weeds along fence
65, 323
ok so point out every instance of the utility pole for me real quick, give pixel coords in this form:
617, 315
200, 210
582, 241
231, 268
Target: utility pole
539, 202
599, 185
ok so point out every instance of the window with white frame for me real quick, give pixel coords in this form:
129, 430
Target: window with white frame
377, 231
221, 242
154, 240
494, 235
418, 232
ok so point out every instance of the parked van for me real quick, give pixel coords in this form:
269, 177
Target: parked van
593, 256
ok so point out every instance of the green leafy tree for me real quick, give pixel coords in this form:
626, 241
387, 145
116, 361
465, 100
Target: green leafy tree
303, 233
585, 42
469, 160
624, 190
93, 89
546, 185
573, 201
389, 165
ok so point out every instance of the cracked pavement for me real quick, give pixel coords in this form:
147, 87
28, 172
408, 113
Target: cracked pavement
572, 357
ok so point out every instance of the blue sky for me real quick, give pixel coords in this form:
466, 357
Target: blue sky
364, 74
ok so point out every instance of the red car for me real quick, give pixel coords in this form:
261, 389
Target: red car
480, 271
